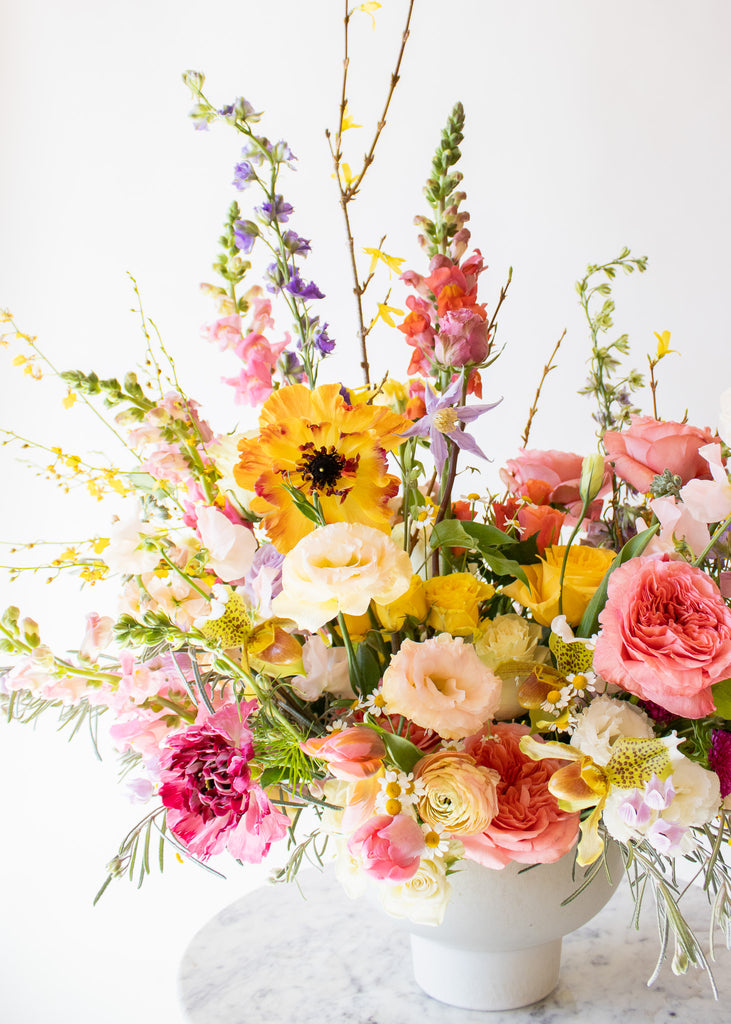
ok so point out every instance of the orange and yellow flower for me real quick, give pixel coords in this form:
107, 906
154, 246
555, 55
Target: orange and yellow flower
317, 443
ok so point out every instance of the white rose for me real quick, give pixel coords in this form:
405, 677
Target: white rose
424, 898
603, 722
340, 567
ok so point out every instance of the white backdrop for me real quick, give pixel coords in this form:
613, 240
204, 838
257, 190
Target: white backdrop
589, 127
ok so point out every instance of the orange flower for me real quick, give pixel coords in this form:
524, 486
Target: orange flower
316, 442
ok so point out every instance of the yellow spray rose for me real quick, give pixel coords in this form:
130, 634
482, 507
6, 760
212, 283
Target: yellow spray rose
454, 602
413, 603
585, 569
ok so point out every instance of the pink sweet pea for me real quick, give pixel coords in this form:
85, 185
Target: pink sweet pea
388, 848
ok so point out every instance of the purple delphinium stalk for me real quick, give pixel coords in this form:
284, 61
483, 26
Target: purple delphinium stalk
294, 244
244, 174
245, 234
303, 290
276, 210
323, 342
443, 420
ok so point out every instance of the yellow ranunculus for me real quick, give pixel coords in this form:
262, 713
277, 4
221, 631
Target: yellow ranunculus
454, 602
585, 569
413, 603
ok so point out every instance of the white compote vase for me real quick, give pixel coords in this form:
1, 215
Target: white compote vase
499, 946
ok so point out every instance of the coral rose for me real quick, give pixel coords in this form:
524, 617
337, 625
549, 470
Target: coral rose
666, 635
340, 568
550, 477
529, 826
648, 447
585, 570
459, 795
441, 684
388, 848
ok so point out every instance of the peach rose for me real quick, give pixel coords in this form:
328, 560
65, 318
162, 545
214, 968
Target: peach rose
340, 567
666, 635
585, 570
441, 684
550, 477
529, 826
459, 795
350, 754
649, 447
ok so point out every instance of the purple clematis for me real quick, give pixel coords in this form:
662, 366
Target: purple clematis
445, 420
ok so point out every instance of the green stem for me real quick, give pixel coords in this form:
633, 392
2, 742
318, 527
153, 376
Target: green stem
720, 530
584, 509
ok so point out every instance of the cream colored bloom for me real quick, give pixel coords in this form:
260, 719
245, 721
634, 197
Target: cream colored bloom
340, 567
603, 722
424, 898
508, 644
697, 794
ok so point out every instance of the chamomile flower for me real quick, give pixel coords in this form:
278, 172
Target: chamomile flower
398, 790
437, 843
373, 703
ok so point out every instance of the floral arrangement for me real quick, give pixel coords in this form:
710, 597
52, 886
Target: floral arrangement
322, 641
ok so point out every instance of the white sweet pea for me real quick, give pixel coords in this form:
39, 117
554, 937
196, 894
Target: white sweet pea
231, 547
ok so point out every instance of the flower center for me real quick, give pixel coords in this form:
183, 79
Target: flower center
431, 840
445, 420
323, 468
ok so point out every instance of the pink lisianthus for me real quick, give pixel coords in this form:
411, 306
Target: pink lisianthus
441, 684
551, 477
709, 501
206, 786
463, 338
350, 754
665, 636
388, 848
648, 447
529, 826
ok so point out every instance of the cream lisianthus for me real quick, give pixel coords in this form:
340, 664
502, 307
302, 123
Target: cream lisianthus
337, 568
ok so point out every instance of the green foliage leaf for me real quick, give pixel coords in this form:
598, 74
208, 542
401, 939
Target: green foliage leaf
369, 668
634, 547
722, 698
401, 751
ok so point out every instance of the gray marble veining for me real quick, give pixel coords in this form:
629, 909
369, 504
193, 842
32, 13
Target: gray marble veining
312, 955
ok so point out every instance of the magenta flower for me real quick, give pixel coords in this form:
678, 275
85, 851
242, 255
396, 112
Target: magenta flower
445, 420
719, 758
206, 786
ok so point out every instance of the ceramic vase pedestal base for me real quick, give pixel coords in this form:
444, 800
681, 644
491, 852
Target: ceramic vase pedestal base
477, 980
499, 945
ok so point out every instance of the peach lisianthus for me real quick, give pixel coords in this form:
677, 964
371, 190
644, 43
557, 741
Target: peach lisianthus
585, 569
441, 684
340, 567
529, 826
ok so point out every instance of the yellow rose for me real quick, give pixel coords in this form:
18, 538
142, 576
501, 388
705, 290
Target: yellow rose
454, 602
460, 796
413, 602
585, 570
508, 644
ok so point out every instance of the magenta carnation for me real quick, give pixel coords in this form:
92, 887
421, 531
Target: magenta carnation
206, 786
719, 759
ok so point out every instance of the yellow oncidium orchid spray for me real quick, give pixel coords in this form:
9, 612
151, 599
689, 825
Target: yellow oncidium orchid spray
584, 783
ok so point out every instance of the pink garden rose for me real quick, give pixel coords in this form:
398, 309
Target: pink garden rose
550, 477
666, 635
649, 447
350, 754
388, 848
529, 826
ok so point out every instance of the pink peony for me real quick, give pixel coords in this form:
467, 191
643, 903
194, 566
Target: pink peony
206, 786
529, 826
550, 477
388, 848
666, 635
350, 754
648, 447
441, 684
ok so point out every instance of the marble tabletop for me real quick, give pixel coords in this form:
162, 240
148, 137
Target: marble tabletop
306, 952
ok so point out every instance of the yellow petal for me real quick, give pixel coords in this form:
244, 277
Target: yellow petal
591, 843
663, 344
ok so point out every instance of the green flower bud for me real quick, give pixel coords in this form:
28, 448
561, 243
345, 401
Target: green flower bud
592, 477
